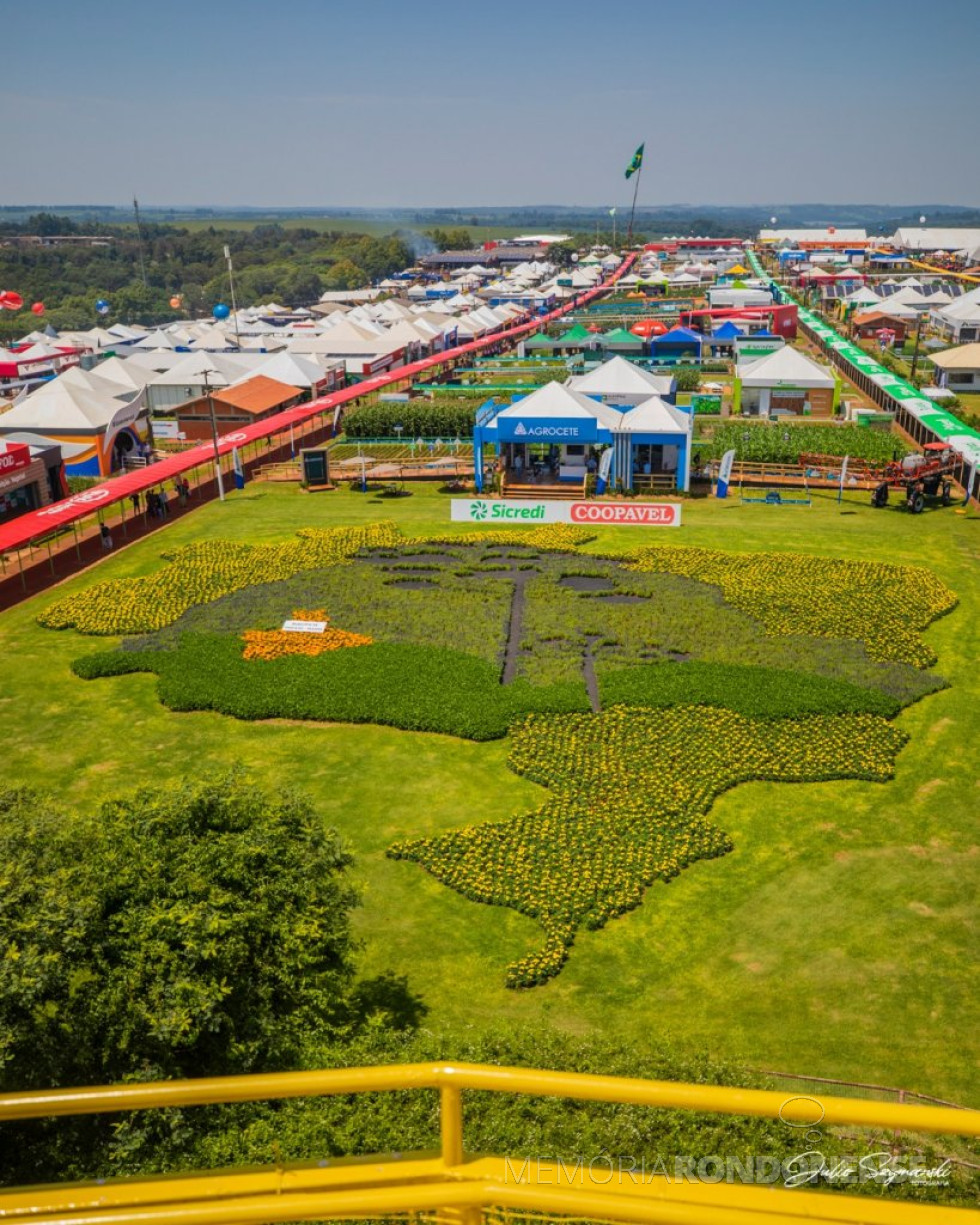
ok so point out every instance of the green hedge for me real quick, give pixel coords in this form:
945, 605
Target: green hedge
416, 688
762, 693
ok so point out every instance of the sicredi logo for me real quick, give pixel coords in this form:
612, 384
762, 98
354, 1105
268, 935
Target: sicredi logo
502, 511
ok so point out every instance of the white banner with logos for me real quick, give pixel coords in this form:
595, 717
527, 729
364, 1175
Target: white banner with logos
524, 512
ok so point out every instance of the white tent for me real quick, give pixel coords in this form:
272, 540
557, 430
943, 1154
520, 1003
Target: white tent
862, 297
294, 369
213, 341
39, 352
156, 340
221, 369
78, 410
786, 366
655, 416
621, 383
553, 400
126, 375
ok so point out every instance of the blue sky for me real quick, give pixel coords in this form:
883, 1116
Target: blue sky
377, 103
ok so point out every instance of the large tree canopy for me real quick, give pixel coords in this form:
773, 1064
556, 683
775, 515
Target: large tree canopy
197, 930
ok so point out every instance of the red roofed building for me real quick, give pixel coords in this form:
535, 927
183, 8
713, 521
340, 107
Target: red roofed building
869, 323
236, 406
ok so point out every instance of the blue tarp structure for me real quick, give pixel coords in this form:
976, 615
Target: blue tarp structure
677, 341
677, 336
726, 331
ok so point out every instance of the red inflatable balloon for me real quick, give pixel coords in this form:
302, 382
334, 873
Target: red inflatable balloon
177, 301
11, 301
38, 308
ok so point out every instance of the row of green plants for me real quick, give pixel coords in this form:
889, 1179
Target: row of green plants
631, 790
442, 417
762, 442
429, 688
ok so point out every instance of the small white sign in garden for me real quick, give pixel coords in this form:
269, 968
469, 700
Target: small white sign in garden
304, 627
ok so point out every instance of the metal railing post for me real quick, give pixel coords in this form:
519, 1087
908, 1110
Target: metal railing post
451, 1125
451, 1137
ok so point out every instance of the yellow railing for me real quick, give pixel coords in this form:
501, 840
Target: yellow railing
451, 1185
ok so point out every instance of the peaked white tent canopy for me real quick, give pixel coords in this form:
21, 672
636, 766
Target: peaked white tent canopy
655, 416
619, 382
553, 401
787, 366
294, 369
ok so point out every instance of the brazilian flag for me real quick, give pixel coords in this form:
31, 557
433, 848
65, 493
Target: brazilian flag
636, 163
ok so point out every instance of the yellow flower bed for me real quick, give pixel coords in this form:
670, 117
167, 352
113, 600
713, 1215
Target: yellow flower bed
882, 605
200, 573
630, 793
273, 644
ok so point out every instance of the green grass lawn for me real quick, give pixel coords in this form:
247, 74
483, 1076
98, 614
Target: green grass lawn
834, 940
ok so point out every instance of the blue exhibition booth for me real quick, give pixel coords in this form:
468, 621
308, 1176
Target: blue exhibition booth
560, 434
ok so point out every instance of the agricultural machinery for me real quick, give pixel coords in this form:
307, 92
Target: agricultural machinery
919, 477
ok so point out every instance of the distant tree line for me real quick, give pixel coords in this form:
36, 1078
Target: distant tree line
293, 266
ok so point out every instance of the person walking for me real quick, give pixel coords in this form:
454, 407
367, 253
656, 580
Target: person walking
106, 538
162, 502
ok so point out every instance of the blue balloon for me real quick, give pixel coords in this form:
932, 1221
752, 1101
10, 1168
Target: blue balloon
221, 311
102, 306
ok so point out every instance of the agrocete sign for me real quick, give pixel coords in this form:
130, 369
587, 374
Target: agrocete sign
518, 511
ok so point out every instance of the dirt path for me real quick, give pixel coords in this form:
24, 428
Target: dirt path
513, 652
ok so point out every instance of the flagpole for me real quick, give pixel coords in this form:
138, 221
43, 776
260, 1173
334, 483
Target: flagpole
636, 188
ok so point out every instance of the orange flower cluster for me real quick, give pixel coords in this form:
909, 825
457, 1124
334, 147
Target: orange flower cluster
273, 644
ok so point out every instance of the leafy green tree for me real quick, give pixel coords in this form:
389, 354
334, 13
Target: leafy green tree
451, 240
688, 377
560, 253
345, 275
48, 224
199, 930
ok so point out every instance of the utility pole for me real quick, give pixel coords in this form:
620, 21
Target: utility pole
214, 436
231, 283
915, 351
139, 240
